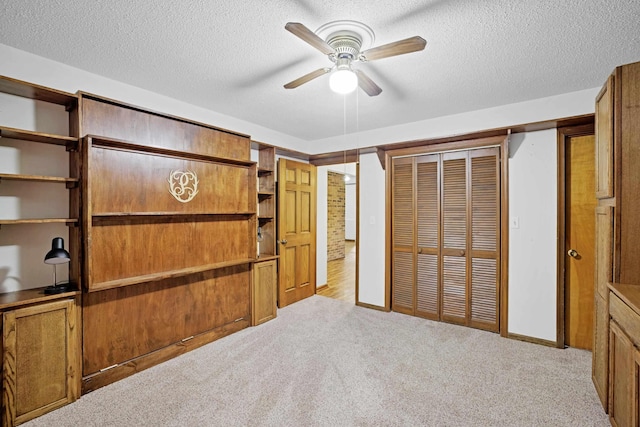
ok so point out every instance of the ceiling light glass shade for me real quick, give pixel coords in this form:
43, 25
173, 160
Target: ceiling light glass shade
343, 81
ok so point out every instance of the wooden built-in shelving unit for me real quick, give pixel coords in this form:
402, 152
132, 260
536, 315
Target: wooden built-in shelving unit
40, 333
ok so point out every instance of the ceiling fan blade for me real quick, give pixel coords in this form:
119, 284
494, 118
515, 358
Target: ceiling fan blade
306, 78
367, 85
412, 44
297, 29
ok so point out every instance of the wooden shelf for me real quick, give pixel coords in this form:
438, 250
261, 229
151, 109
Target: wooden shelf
37, 92
44, 138
37, 178
264, 171
129, 146
266, 193
30, 296
166, 275
265, 218
67, 221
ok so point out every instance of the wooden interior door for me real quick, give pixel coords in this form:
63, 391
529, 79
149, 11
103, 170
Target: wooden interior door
402, 236
428, 236
296, 231
580, 207
484, 236
454, 237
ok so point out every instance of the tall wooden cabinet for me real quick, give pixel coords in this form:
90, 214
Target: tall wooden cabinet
617, 236
445, 218
265, 269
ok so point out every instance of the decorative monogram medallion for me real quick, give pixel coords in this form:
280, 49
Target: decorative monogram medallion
183, 185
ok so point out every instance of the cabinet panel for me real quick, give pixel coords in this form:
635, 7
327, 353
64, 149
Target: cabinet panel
124, 181
41, 369
621, 371
600, 352
265, 288
123, 323
604, 141
604, 248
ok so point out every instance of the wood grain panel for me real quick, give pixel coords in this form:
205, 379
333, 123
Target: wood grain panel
290, 221
290, 269
604, 140
427, 301
148, 129
630, 174
221, 188
484, 203
123, 323
620, 378
604, 249
402, 216
427, 202
484, 292
121, 248
454, 285
600, 352
265, 290
402, 298
305, 212
454, 203
302, 261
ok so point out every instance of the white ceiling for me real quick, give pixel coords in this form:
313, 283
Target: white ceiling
233, 56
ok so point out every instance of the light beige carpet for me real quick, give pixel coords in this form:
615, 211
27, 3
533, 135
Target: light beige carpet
324, 362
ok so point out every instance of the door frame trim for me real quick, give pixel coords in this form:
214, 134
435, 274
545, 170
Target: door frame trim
564, 135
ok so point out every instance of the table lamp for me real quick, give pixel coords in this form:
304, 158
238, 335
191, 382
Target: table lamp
57, 255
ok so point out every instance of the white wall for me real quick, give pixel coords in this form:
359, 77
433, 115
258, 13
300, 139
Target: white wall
350, 211
371, 237
533, 229
321, 225
23, 247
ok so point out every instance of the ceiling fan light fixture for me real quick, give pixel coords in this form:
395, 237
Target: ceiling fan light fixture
343, 81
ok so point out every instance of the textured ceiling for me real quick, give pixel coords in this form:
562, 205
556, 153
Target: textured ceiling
233, 57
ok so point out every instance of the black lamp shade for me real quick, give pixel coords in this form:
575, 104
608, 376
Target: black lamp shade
57, 254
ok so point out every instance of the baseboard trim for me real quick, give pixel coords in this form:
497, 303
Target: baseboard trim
372, 307
321, 288
532, 340
100, 379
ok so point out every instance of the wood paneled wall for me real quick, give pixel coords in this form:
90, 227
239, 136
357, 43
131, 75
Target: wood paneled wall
160, 270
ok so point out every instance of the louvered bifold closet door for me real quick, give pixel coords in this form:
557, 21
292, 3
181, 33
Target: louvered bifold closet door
454, 237
403, 223
485, 238
428, 214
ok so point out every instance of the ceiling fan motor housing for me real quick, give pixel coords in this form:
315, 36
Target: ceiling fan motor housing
345, 44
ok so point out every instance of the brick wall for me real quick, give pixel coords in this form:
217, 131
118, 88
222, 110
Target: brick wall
335, 215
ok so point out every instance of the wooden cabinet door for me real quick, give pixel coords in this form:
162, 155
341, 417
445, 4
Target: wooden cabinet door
428, 236
454, 237
621, 370
402, 236
41, 363
484, 236
604, 140
265, 285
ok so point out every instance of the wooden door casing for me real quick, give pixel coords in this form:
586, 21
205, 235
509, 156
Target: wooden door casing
296, 231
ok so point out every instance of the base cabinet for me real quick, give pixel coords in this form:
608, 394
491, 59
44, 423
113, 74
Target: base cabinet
621, 354
265, 286
41, 364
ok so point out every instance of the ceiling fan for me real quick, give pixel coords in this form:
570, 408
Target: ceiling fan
342, 42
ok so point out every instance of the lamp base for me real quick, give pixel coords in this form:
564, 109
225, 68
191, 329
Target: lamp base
60, 288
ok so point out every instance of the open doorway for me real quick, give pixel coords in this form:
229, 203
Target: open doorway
340, 225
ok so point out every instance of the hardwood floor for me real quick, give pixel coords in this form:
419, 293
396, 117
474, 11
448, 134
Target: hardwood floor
341, 276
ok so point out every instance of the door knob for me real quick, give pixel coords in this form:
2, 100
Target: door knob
572, 253
283, 241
